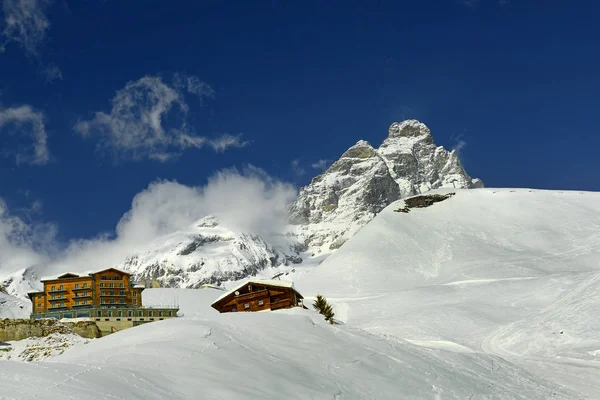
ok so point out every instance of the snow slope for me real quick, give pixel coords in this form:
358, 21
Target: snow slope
292, 354
510, 272
13, 307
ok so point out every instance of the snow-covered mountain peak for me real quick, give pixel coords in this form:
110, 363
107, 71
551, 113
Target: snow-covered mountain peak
362, 149
210, 221
365, 180
409, 127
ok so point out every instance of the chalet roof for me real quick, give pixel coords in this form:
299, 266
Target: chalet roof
284, 284
79, 274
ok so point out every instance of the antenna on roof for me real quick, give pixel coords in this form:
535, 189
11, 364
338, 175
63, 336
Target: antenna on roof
277, 276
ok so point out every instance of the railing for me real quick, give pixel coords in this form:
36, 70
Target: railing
169, 307
82, 288
79, 296
252, 295
57, 290
112, 295
83, 305
59, 299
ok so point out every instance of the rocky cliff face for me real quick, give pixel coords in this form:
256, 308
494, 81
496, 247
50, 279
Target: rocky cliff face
365, 180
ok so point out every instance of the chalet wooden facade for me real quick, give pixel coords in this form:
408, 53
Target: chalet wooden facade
259, 295
103, 295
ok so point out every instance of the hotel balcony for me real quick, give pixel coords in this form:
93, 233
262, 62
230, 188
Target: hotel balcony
81, 296
57, 290
82, 288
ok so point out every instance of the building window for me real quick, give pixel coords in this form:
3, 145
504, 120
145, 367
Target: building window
76, 286
101, 284
160, 313
120, 313
260, 302
85, 302
99, 313
85, 285
112, 293
234, 309
122, 293
61, 287
134, 294
102, 301
76, 302
112, 301
62, 303
111, 285
246, 305
116, 278
104, 277
135, 302
53, 288
139, 313
39, 297
110, 313
39, 305
129, 313
170, 313
122, 301
121, 284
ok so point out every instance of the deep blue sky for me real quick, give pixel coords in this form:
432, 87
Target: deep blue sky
518, 81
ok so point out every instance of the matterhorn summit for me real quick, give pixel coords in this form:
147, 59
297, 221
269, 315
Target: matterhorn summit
365, 180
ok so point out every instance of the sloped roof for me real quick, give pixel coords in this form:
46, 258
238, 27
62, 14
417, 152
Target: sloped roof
54, 277
79, 274
284, 284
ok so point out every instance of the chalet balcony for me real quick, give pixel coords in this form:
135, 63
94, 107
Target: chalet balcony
252, 295
81, 296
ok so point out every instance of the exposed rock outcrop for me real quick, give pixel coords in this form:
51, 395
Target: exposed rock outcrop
19, 329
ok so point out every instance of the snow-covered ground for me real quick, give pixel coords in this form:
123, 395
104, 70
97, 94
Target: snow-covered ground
291, 354
40, 348
510, 272
13, 307
491, 294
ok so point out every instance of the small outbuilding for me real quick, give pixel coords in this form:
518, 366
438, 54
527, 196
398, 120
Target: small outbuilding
259, 295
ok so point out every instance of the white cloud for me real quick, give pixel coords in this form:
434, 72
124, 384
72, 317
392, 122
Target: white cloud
22, 243
226, 141
321, 165
137, 126
244, 201
459, 143
25, 23
297, 168
27, 122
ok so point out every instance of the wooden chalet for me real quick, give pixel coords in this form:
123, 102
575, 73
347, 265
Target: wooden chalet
259, 295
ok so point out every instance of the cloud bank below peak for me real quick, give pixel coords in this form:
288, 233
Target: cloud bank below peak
148, 121
243, 201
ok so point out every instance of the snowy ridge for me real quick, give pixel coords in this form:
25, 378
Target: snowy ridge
209, 254
365, 180
510, 272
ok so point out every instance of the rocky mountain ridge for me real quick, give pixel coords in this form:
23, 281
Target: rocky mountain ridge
337, 203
